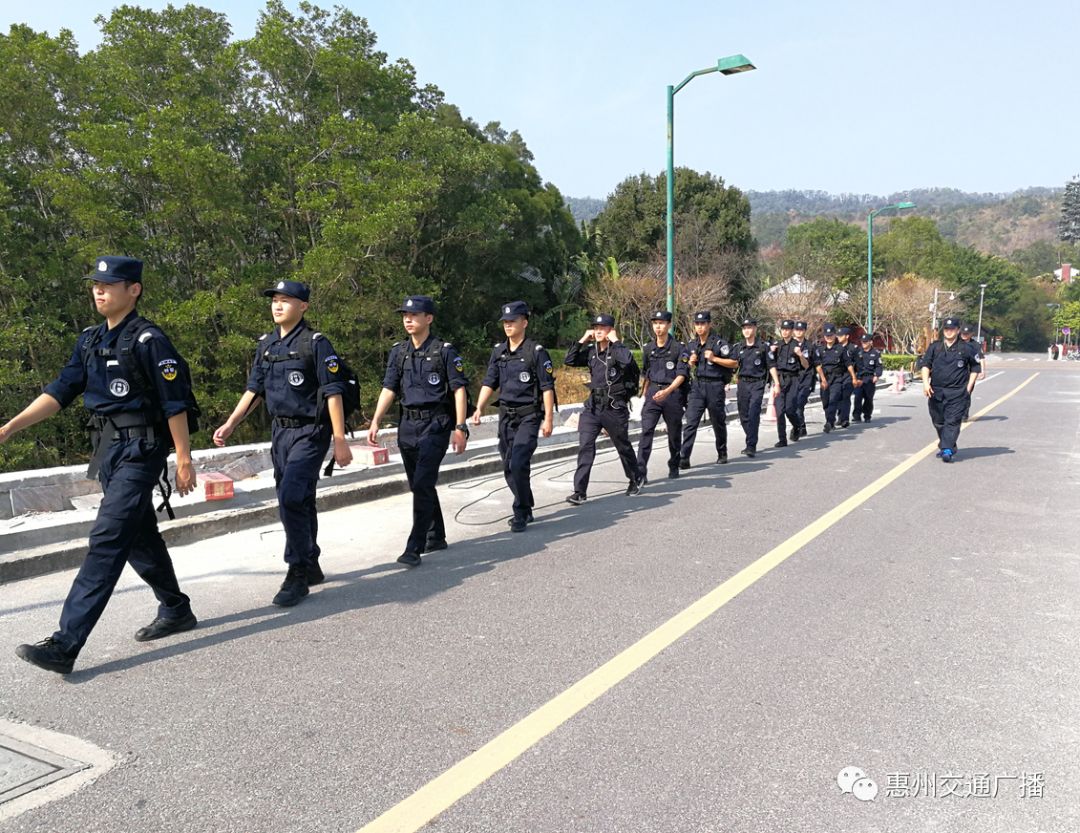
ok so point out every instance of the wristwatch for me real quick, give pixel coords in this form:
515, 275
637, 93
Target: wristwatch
461, 426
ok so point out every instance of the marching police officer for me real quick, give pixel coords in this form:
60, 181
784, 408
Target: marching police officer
129, 375
867, 367
790, 362
843, 335
806, 377
833, 365
428, 376
296, 372
949, 369
520, 370
709, 355
664, 390
966, 335
754, 360
613, 375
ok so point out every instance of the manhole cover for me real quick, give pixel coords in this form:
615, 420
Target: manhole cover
38, 766
25, 767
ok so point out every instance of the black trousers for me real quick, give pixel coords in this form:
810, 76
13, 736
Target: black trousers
847, 388
750, 394
613, 418
671, 410
423, 443
806, 387
298, 455
518, 437
947, 412
705, 396
831, 398
125, 532
864, 398
787, 404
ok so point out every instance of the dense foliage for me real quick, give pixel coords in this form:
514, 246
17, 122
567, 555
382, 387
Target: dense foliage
225, 165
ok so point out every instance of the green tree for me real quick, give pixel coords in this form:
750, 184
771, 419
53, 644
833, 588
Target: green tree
1069, 225
826, 251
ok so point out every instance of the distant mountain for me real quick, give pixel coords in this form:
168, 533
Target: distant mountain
997, 224
992, 223
584, 208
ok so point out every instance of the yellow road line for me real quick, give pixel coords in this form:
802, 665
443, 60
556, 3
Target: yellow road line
444, 791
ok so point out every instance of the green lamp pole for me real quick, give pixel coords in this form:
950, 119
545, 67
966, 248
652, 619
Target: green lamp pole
898, 206
725, 66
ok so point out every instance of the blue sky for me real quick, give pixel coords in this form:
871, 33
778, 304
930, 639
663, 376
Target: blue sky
856, 97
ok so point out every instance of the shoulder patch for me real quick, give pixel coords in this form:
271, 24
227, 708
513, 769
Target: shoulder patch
447, 344
539, 346
145, 337
315, 336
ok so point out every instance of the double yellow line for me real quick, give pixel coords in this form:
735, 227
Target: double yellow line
444, 791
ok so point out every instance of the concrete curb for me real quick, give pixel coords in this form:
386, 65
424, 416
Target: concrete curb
66, 555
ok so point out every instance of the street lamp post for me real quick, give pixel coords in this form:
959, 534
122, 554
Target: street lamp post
899, 206
730, 65
982, 294
934, 307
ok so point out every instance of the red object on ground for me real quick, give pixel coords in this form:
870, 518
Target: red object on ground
217, 486
369, 455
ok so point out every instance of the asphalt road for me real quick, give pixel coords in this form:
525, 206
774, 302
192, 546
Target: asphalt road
926, 632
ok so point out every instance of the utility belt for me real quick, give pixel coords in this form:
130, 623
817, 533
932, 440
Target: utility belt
711, 379
751, 378
790, 374
833, 373
518, 411
294, 422
657, 385
106, 430
424, 412
865, 376
601, 399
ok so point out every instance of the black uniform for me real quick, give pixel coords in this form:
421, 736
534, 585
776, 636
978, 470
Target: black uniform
707, 394
834, 363
950, 371
663, 365
754, 363
607, 408
520, 376
425, 379
295, 383
805, 384
131, 446
867, 365
789, 368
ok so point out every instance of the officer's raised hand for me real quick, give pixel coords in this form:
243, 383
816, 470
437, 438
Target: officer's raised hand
613, 336
587, 337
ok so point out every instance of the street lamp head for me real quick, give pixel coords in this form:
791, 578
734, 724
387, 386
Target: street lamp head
901, 205
733, 64
983, 286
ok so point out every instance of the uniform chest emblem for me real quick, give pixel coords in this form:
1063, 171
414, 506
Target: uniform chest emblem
524, 376
960, 363
757, 362
612, 372
168, 369
871, 362
434, 378
119, 388
296, 378
670, 365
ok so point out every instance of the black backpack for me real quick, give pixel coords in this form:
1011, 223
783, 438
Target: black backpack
350, 397
135, 331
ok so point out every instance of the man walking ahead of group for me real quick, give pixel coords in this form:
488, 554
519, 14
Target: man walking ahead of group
613, 379
428, 375
138, 391
949, 370
520, 370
